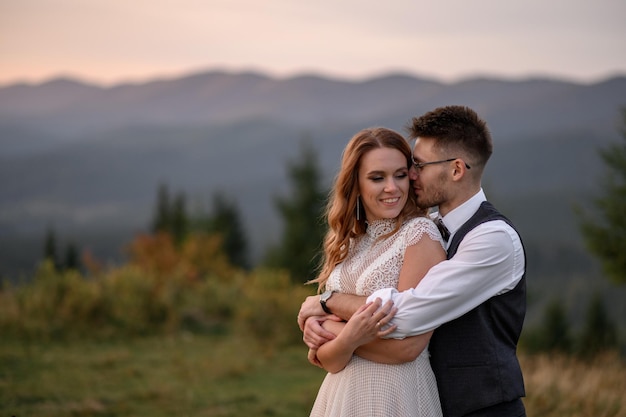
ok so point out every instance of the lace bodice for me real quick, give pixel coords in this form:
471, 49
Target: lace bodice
374, 262
365, 388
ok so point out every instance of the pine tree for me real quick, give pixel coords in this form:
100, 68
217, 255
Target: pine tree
555, 332
599, 332
605, 231
71, 257
50, 248
302, 214
162, 215
225, 220
170, 216
179, 222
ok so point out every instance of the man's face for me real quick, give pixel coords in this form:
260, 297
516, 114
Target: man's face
429, 185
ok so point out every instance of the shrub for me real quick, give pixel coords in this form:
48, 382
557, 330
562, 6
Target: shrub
269, 307
163, 289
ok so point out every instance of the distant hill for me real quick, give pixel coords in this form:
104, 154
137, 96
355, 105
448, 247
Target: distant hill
69, 108
88, 160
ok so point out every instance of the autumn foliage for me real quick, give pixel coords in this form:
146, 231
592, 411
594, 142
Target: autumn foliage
163, 288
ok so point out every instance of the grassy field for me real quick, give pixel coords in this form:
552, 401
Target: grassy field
185, 375
196, 375
565, 386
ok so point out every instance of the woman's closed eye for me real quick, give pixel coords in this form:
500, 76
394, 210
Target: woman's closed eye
378, 178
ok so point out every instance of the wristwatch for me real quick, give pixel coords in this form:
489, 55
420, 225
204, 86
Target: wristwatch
325, 297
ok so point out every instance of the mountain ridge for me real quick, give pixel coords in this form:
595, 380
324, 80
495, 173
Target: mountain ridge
72, 108
89, 159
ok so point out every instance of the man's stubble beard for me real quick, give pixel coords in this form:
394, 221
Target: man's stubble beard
432, 196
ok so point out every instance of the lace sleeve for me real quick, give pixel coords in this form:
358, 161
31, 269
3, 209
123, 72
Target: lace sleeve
416, 228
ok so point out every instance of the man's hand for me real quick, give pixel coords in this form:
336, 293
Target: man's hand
312, 357
314, 334
342, 305
310, 307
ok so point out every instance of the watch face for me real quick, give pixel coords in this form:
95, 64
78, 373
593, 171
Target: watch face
323, 298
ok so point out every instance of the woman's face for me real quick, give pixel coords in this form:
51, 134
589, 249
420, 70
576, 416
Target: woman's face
383, 183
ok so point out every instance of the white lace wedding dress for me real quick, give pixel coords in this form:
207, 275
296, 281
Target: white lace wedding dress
364, 388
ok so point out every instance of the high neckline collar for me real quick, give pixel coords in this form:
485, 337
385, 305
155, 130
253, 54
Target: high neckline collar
380, 227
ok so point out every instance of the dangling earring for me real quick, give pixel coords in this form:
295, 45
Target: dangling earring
358, 208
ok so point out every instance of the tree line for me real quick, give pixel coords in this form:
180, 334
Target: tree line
300, 245
302, 214
298, 249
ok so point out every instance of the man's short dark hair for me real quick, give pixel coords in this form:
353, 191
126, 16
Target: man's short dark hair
455, 129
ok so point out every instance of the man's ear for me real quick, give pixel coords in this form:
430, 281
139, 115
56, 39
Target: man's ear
459, 169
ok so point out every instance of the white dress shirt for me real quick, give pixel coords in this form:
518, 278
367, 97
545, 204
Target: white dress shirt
489, 261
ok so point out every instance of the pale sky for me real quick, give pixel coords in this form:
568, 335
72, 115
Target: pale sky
113, 41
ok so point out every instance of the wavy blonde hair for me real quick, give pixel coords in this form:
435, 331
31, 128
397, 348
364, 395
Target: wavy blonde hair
342, 204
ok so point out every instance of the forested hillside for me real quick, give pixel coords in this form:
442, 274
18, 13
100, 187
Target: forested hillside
87, 161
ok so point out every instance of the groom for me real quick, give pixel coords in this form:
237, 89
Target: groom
476, 300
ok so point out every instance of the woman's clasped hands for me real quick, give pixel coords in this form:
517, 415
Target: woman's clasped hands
370, 322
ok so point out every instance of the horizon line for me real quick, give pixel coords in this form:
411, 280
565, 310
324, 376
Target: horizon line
145, 79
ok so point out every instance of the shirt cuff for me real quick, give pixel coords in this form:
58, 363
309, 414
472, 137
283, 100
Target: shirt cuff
384, 294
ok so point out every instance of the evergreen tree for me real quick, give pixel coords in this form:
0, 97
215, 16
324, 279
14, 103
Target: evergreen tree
225, 220
71, 257
599, 332
302, 214
605, 231
179, 222
162, 215
50, 248
555, 332
170, 216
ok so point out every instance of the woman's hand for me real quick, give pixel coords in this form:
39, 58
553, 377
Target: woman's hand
368, 323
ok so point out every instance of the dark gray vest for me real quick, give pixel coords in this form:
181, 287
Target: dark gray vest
474, 357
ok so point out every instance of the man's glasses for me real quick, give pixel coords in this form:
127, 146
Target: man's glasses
420, 165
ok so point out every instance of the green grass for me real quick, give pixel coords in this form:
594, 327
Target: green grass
183, 375
228, 345
206, 375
